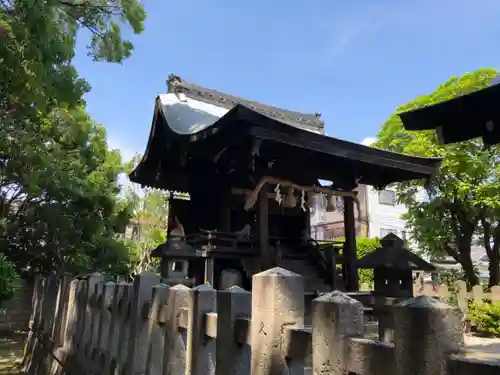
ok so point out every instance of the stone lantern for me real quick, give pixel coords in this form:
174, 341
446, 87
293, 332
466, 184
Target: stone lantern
393, 268
176, 256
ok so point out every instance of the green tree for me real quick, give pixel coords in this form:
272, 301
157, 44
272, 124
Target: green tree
148, 225
59, 207
37, 45
365, 246
464, 197
9, 279
59, 195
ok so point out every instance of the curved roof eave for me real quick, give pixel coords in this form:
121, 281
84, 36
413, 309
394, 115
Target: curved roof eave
161, 131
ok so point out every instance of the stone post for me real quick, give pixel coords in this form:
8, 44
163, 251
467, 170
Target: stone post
34, 322
117, 320
36, 356
104, 330
232, 303
174, 354
95, 317
49, 303
69, 328
336, 318
154, 366
80, 305
50, 314
60, 310
36, 302
277, 301
86, 322
124, 331
200, 355
138, 342
426, 332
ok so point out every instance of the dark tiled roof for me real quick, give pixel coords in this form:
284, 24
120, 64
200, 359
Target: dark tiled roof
393, 255
297, 119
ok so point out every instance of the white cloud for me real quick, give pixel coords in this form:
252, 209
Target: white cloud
346, 30
343, 39
368, 141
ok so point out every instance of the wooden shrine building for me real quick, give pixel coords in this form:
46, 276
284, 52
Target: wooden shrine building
250, 170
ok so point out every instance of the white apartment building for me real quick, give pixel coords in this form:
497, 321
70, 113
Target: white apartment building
385, 214
381, 215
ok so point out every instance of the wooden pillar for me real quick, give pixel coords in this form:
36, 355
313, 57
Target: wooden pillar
226, 204
209, 271
332, 266
266, 260
350, 258
226, 217
308, 224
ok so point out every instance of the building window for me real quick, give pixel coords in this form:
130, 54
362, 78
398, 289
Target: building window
387, 197
384, 232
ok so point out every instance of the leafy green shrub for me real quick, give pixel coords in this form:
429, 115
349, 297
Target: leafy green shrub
365, 246
9, 278
485, 316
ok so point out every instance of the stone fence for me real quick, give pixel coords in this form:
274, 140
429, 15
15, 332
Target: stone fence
89, 326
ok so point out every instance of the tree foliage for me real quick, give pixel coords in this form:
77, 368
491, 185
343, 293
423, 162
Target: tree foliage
37, 45
9, 279
59, 203
148, 225
365, 246
58, 194
464, 197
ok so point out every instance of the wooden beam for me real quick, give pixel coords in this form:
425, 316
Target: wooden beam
350, 256
352, 151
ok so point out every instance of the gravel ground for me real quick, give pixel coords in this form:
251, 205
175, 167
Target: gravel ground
482, 348
11, 352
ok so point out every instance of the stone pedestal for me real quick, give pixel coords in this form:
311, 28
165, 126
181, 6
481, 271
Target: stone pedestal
336, 318
277, 301
426, 332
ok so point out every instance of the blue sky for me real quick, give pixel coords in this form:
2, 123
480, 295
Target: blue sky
353, 61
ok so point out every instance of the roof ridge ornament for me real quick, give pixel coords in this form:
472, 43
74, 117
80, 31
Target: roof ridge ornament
173, 80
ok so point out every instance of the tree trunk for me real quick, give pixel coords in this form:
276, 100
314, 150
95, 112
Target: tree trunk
466, 262
494, 269
494, 262
493, 252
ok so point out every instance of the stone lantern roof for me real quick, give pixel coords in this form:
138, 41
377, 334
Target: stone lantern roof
393, 255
